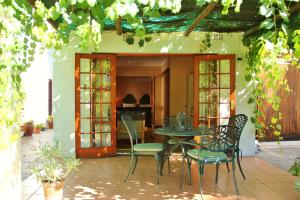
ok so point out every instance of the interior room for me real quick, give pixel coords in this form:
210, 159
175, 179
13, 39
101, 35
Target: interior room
144, 86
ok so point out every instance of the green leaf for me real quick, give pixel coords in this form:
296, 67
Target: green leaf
54, 15
267, 24
251, 100
91, 2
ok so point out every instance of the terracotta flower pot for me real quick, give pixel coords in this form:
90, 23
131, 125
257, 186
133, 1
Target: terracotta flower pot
50, 123
53, 191
28, 129
37, 130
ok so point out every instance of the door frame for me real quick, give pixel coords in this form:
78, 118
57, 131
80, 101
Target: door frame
197, 59
95, 151
114, 57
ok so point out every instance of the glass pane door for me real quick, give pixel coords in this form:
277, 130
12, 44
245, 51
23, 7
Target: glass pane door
95, 108
214, 81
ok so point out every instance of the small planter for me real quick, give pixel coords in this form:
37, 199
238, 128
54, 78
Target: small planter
37, 130
53, 191
28, 128
50, 122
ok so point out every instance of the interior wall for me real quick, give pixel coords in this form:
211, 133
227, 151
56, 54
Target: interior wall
138, 71
137, 86
63, 76
158, 117
180, 68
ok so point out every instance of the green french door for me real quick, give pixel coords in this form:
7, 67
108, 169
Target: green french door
214, 89
95, 107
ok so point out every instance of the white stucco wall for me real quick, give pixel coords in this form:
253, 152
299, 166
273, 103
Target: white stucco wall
63, 76
35, 82
10, 172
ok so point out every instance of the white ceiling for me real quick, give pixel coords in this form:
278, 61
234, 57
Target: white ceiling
142, 61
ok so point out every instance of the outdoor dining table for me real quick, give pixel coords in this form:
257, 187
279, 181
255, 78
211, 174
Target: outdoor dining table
177, 133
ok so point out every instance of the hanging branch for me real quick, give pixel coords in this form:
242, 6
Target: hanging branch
258, 27
201, 16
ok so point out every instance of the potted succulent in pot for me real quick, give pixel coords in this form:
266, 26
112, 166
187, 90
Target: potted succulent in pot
51, 167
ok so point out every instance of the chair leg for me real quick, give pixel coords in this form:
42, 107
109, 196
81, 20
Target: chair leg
181, 171
158, 171
227, 166
217, 172
134, 165
234, 177
200, 169
169, 165
130, 167
239, 164
189, 170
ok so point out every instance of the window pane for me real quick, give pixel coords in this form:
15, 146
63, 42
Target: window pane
85, 96
106, 139
214, 81
105, 110
96, 80
105, 66
213, 67
224, 121
224, 110
96, 67
225, 66
203, 96
203, 67
97, 139
105, 95
214, 110
203, 81
84, 110
84, 80
105, 81
85, 141
84, 65
85, 125
225, 96
214, 96
203, 110
225, 81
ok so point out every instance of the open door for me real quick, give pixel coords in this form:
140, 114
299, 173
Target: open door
95, 105
214, 89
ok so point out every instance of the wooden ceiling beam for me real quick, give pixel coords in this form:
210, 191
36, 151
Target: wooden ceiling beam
258, 27
201, 16
119, 25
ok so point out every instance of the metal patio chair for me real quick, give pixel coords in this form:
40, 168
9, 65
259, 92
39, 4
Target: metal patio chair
223, 139
155, 149
239, 121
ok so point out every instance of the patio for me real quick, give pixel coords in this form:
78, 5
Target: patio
103, 179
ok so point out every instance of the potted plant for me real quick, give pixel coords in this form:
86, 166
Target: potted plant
295, 171
51, 167
50, 122
37, 128
28, 128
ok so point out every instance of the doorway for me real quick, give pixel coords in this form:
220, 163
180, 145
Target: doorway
201, 85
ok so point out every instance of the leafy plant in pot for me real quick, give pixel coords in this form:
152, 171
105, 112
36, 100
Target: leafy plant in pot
50, 122
51, 168
38, 128
295, 171
28, 127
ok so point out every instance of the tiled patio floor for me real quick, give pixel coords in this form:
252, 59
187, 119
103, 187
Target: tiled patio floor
28, 146
103, 179
281, 155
